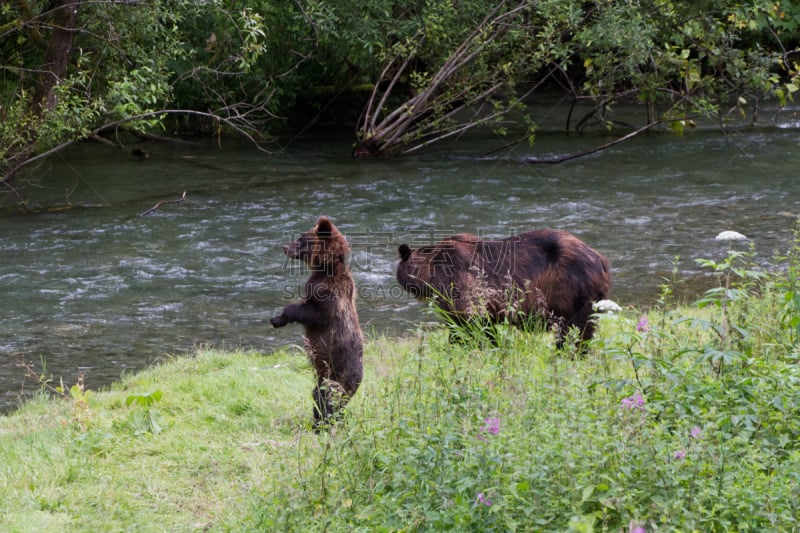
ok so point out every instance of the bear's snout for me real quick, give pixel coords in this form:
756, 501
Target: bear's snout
292, 250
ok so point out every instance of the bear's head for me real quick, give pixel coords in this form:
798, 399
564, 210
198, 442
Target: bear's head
439, 271
320, 247
429, 271
414, 272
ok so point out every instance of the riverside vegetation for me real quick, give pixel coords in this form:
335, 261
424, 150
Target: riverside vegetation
683, 417
403, 74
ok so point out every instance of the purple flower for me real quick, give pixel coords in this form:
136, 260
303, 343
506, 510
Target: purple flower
643, 326
635, 401
680, 454
482, 500
635, 528
492, 426
696, 432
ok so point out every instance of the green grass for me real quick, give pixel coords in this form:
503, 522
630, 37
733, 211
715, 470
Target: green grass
690, 422
188, 461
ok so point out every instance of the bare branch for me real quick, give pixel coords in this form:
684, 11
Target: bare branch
576, 155
442, 97
162, 202
371, 121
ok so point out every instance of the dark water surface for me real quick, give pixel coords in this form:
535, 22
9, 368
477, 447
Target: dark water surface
101, 290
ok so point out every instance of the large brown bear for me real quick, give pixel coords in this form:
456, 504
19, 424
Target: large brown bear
546, 273
334, 340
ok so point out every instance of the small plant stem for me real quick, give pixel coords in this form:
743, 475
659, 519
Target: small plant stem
721, 466
725, 320
635, 367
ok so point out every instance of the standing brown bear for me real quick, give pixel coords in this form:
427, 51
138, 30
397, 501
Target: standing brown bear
334, 340
546, 273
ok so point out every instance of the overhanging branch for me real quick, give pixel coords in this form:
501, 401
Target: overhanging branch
237, 122
429, 113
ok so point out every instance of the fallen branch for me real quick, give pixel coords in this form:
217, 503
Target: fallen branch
568, 157
103, 140
162, 202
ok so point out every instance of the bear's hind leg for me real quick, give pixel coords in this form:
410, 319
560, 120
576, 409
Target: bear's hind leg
329, 398
322, 406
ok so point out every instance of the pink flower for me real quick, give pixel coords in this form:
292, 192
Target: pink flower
492, 426
696, 432
635, 401
635, 528
643, 326
680, 454
482, 500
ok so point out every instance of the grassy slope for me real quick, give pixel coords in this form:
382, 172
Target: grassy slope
227, 419
439, 436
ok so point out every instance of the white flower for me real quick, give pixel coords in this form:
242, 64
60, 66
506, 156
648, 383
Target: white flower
730, 236
607, 306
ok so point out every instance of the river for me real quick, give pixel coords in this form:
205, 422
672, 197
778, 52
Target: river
100, 290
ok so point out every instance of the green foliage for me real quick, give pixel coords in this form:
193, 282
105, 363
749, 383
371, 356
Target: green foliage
144, 400
689, 59
146, 418
118, 68
259, 64
732, 377
683, 60
224, 419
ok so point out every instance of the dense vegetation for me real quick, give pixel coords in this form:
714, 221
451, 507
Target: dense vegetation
414, 71
678, 418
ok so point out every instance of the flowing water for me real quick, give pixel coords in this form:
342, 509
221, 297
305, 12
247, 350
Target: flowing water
100, 290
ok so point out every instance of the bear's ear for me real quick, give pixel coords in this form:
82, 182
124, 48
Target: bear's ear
324, 227
405, 251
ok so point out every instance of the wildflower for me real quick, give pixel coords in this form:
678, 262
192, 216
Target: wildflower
636, 528
680, 454
607, 306
643, 326
635, 401
696, 432
730, 236
482, 500
492, 426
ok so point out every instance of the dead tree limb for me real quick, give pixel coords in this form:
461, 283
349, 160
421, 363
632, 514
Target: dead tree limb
576, 155
162, 202
428, 114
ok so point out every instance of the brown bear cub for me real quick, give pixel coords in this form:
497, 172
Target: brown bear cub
334, 340
546, 273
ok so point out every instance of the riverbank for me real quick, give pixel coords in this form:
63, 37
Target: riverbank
676, 419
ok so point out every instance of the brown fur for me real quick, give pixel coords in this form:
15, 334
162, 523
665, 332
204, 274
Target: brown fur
327, 310
548, 273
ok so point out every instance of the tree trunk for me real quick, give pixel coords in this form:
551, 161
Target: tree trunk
64, 20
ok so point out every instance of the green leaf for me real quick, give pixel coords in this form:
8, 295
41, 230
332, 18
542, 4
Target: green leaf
144, 400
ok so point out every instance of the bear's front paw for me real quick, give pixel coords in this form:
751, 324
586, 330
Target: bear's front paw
278, 321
